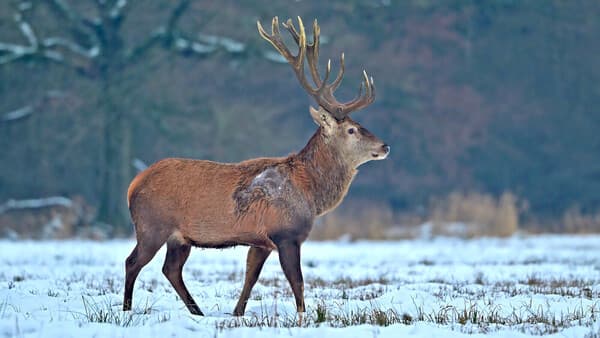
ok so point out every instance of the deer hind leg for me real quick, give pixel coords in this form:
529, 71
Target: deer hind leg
143, 253
177, 254
254, 263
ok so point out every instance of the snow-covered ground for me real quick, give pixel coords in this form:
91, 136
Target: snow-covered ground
514, 287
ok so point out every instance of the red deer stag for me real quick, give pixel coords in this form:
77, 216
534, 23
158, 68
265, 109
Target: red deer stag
265, 203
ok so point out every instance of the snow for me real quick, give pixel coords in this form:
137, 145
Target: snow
54, 289
72, 46
229, 44
139, 165
35, 203
18, 113
274, 56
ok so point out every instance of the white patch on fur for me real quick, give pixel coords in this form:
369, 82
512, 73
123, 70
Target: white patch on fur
271, 181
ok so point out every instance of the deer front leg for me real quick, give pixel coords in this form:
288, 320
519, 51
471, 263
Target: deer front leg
254, 263
289, 257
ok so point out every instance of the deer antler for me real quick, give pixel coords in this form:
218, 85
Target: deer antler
323, 92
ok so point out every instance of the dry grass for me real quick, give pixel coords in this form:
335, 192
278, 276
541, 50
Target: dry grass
355, 219
105, 312
465, 215
572, 221
483, 215
576, 222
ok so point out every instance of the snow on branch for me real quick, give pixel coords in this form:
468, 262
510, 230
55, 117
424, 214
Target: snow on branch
117, 10
139, 165
12, 204
230, 45
90, 53
185, 45
26, 29
82, 26
48, 48
171, 38
11, 52
25, 111
18, 114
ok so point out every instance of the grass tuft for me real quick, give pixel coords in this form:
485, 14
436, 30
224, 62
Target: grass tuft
105, 312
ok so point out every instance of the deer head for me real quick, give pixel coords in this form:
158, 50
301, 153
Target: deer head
354, 143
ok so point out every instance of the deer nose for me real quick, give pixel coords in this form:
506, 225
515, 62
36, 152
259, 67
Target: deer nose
386, 148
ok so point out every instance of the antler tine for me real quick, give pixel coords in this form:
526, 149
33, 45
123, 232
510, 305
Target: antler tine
289, 25
312, 49
336, 83
361, 101
275, 38
296, 61
371, 87
324, 85
301, 47
300, 38
313, 55
368, 88
275, 28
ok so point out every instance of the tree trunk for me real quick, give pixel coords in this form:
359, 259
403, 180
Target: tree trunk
116, 170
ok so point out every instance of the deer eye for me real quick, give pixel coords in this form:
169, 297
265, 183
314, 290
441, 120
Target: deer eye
351, 131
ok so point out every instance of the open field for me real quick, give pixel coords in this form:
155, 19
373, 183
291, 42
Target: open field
516, 287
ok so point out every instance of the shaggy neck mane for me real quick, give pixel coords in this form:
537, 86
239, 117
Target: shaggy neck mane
328, 176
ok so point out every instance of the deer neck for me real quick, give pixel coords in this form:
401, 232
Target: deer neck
327, 175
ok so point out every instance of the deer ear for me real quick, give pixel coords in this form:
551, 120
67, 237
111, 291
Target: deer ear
323, 118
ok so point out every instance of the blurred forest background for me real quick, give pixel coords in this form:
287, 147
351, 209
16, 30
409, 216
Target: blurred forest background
490, 107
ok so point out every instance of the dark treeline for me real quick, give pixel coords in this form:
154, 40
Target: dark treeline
472, 96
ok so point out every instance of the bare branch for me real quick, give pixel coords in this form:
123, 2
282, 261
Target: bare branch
155, 37
11, 52
26, 30
176, 14
51, 48
65, 10
71, 46
88, 35
81, 27
171, 38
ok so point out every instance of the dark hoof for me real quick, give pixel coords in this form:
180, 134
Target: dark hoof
195, 310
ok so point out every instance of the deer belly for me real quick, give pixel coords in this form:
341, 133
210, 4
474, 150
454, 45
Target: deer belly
212, 235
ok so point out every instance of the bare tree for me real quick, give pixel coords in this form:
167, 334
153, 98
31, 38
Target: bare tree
92, 44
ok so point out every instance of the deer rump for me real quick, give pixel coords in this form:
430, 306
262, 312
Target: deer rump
217, 205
